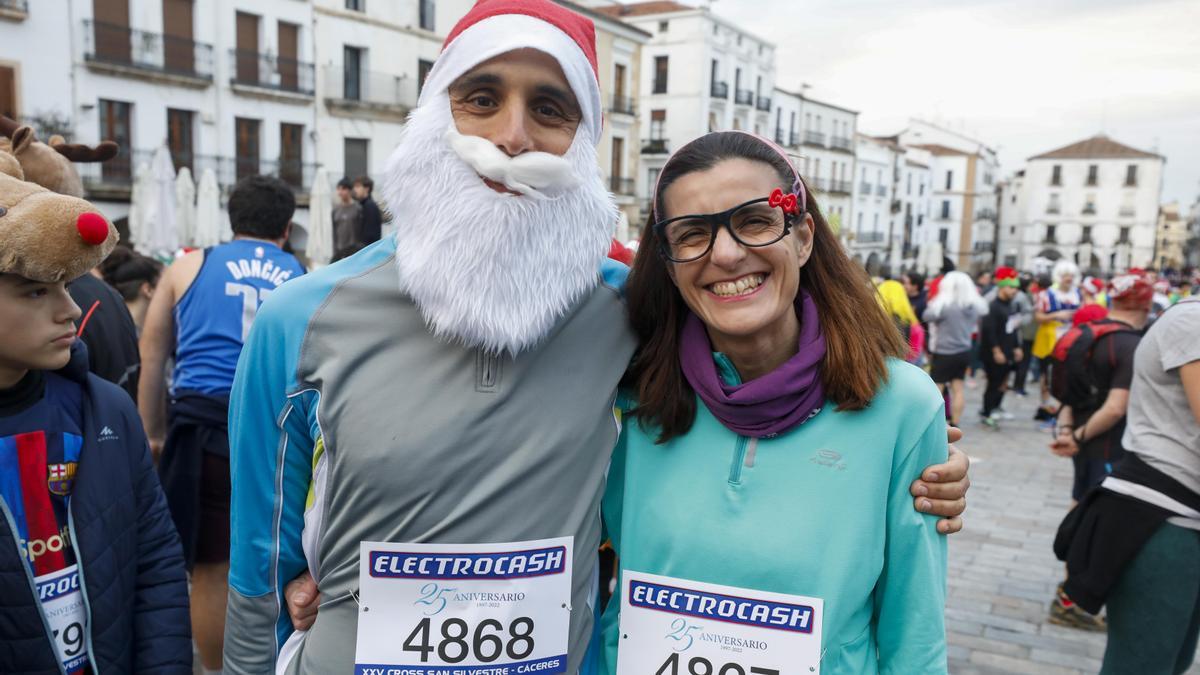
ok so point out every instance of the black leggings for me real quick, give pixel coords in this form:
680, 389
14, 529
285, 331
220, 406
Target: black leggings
1022, 373
994, 394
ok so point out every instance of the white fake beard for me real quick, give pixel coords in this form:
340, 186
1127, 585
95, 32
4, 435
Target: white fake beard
489, 270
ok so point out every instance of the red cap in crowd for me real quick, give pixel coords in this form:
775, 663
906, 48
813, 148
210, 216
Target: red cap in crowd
1089, 313
1131, 289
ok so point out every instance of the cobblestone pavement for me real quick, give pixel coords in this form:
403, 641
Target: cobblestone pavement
1002, 568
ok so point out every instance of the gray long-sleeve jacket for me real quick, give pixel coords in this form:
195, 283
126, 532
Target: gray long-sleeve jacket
350, 422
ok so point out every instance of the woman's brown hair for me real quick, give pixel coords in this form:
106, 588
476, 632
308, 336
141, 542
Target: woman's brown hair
859, 337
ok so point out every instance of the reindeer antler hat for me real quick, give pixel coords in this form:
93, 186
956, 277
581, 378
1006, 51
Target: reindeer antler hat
46, 236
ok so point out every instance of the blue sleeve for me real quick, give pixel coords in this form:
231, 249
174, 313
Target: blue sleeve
271, 444
614, 275
910, 597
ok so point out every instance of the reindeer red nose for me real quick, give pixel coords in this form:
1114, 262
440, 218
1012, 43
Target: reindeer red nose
93, 229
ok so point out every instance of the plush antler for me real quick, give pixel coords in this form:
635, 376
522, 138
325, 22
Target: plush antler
77, 152
8, 126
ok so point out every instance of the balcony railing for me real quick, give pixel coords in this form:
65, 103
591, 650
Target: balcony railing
821, 184
1126, 211
881, 190
1050, 239
349, 87
794, 139
1088, 210
266, 71
841, 143
720, 90
985, 214
117, 174
841, 186
780, 136
869, 237
763, 103
864, 188
122, 46
14, 9
982, 247
744, 97
621, 186
623, 105
654, 146
814, 138
1054, 209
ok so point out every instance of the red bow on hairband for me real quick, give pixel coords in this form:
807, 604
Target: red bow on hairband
789, 203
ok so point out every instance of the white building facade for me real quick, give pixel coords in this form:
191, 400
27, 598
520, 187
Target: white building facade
871, 235
826, 150
1094, 202
371, 57
963, 172
226, 85
1012, 214
698, 73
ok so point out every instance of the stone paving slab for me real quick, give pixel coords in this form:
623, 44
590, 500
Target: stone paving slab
1002, 570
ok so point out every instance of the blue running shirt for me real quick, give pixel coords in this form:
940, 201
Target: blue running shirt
213, 317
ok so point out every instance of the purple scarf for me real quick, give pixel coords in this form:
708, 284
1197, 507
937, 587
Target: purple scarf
767, 406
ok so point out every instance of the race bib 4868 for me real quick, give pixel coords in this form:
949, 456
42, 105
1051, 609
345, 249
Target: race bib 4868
453, 609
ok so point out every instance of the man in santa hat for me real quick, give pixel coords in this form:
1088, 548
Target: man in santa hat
450, 389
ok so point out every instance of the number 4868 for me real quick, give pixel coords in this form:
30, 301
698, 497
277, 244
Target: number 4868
701, 666
454, 646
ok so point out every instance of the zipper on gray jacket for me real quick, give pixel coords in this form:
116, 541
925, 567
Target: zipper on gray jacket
12, 527
87, 605
487, 372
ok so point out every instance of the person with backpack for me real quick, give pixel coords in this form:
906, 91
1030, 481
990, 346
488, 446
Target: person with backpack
1091, 369
1055, 307
1132, 544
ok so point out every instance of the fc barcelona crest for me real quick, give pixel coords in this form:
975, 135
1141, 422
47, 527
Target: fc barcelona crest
61, 477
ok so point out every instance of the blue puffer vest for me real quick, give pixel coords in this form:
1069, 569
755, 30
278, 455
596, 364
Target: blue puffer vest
131, 563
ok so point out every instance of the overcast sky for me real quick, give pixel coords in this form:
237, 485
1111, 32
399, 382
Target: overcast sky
1024, 76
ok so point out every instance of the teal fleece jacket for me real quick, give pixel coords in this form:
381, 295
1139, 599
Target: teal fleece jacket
821, 511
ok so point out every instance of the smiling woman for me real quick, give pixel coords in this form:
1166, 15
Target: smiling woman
775, 431
711, 174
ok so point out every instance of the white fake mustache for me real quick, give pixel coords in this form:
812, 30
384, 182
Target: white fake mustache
537, 174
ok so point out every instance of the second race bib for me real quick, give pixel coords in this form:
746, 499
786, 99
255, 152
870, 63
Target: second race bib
678, 627
62, 603
464, 609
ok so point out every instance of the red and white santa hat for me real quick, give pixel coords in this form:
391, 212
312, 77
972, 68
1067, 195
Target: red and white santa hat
494, 27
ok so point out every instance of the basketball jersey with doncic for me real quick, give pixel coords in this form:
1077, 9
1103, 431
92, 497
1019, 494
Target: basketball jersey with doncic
213, 317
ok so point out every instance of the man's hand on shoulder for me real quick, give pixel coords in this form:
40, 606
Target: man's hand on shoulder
942, 488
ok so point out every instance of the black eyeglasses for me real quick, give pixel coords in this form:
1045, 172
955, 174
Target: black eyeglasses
755, 223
